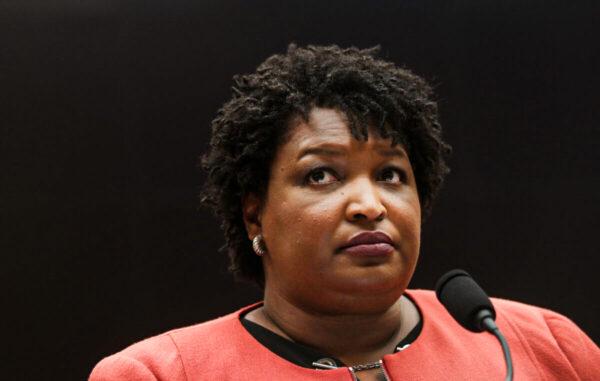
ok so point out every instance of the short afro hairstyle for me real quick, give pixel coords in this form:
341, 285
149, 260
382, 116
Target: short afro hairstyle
249, 128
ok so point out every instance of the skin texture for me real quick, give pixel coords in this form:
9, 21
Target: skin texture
316, 293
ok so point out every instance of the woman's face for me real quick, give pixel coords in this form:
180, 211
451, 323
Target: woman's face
325, 188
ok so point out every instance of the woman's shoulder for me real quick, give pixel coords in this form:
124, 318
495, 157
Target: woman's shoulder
545, 337
148, 359
163, 356
517, 312
523, 317
548, 334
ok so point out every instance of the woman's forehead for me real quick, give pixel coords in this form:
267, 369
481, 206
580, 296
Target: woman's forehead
329, 127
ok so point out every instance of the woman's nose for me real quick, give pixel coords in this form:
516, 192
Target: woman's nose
364, 202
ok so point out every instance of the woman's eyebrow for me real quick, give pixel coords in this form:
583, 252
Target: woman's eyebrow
331, 150
322, 150
391, 152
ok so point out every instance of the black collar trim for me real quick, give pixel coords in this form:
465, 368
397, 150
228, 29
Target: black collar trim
303, 355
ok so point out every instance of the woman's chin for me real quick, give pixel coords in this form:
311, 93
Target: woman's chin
370, 289
371, 280
364, 303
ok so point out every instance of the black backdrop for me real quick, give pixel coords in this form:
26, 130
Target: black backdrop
105, 106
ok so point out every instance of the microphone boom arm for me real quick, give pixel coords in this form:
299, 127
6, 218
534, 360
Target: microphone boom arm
487, 323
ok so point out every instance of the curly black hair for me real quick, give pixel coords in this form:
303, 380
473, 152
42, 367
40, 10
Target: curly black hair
249, 128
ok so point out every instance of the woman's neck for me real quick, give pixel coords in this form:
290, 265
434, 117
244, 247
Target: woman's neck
354, 339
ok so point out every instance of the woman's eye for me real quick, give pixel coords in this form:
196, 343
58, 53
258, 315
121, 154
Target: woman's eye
393, 175
321, 176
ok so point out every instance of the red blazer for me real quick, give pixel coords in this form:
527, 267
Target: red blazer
544, 346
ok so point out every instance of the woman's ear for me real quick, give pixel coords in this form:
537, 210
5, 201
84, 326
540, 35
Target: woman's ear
251, 208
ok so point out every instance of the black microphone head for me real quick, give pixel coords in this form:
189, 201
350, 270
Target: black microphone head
463, 298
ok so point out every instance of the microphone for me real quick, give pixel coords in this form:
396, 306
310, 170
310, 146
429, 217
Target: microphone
469, 305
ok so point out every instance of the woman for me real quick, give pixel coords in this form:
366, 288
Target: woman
322, 167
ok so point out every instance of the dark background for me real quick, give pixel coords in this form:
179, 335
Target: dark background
106, 105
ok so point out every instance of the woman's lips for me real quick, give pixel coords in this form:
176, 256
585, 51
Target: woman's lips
369, 244
370, 250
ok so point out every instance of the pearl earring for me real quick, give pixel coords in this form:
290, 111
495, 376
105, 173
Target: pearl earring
258, 245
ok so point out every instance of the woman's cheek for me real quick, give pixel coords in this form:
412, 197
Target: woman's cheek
320, 224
